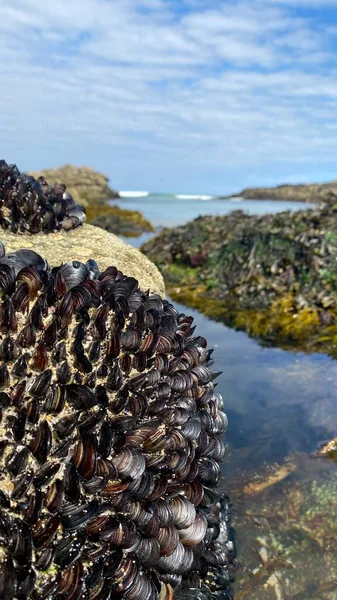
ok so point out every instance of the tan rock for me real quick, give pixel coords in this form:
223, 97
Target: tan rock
87, 242
86, 185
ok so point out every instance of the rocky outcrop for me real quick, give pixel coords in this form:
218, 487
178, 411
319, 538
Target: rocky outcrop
83, 183
85, 243
311, 192
274, 276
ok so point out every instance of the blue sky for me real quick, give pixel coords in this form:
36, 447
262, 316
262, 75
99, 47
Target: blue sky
189, 96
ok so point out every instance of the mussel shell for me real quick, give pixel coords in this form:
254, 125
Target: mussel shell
183, 512
195, 533
75, 517
178, 562
114, 433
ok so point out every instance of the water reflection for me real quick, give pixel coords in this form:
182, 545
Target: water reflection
278, 402
280, 405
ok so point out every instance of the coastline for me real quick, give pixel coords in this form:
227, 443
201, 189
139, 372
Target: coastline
311, 192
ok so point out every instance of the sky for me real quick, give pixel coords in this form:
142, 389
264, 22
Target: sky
189, 96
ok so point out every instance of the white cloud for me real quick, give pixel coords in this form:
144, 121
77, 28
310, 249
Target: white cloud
305, 3
173, 98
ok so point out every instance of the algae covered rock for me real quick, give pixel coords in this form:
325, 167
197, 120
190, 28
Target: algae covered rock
129, 223
273, 275
86, 185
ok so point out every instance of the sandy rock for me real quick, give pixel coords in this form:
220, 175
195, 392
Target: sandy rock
90, 242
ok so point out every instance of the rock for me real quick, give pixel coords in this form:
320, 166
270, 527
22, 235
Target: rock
271, 275
87, 242
129, 223
311, 192
30, 206
86, 185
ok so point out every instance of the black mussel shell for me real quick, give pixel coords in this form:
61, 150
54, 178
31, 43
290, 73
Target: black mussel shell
111, 431
32, 206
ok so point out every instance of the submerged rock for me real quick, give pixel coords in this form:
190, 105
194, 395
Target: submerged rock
110, 441
287, 535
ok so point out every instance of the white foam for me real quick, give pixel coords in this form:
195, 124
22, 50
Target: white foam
193, 197
129, 194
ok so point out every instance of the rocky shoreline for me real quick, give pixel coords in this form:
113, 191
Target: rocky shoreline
273, 276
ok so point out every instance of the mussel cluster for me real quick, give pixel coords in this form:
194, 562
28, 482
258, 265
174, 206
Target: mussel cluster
28, 205
110, 441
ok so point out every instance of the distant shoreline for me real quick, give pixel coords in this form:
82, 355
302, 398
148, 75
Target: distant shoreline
311, 192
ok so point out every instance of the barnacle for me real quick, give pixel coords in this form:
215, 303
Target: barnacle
111, 435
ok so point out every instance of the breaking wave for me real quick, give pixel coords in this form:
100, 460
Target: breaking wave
128, 194
193, 197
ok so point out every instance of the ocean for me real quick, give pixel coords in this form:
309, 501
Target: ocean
168, 210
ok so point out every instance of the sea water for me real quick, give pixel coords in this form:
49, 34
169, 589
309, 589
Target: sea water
168, 210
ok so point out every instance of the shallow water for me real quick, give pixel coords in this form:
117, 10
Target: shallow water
281, 406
